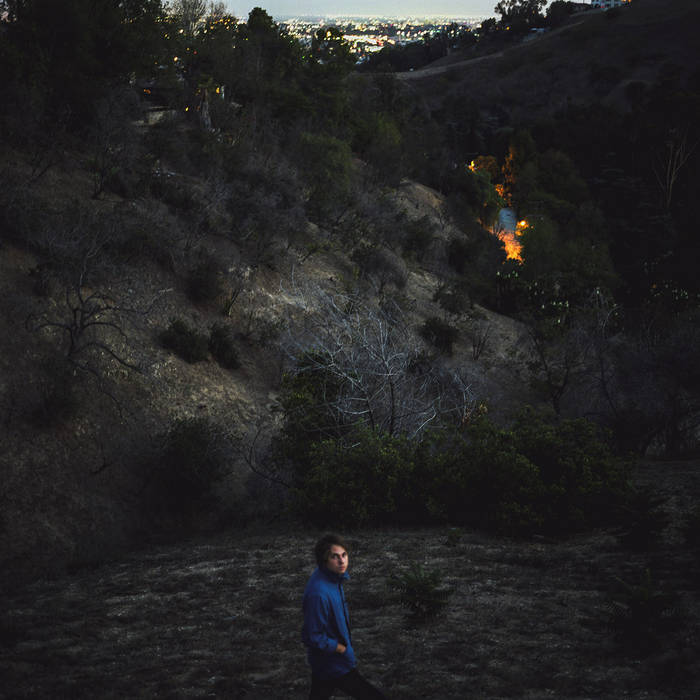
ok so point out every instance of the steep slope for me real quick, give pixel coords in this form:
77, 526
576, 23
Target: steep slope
595, 57
78, 447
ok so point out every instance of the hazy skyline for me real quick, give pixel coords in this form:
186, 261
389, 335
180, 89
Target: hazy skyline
387, 8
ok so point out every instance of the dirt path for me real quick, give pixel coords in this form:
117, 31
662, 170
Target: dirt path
221, 618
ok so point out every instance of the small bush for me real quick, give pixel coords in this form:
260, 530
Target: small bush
185, 342
222, 348
418, 236
642, 519
454, 535
419, 591
691, 528
440, 334
453, 298
639, 614
380, 266
204, 283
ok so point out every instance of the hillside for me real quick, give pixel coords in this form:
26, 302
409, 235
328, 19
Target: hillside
248, 293
595, 57
72, 475
248, 270
524, 619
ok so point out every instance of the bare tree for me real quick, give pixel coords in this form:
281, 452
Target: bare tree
113, 138
379, 365
90, 324
190, 12
562, 348
480, 335
670, 161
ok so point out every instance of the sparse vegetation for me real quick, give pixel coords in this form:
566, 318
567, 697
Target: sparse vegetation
181, 481
421, 592
222, 347
185, 341
440, 333
640, 614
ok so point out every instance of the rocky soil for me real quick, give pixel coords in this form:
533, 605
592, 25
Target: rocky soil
220, 617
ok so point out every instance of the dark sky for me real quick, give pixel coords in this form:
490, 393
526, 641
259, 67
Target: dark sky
391, 8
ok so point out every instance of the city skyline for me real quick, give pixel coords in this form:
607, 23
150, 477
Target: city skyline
366, 8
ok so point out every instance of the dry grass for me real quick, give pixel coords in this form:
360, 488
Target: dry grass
221, 618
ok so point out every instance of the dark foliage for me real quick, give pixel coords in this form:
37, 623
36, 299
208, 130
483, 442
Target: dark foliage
204, 281
640, 614
193, 459
440, 334
222, 347
55, 393
419, 590
191, 345
642, 519
691, 528
537, 477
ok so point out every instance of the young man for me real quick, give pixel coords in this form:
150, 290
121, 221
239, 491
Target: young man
326, 631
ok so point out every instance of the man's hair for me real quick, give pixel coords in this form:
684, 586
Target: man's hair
322, 549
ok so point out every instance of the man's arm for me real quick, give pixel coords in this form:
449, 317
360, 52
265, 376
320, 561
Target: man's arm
317, 631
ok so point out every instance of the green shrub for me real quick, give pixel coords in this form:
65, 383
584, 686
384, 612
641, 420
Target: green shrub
419, 590
185, 342
537, 477
440, 334
480, 479
222, 347
365, 483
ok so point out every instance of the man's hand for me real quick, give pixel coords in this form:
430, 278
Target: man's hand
340, 649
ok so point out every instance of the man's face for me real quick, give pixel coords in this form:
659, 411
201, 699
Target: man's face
337, 561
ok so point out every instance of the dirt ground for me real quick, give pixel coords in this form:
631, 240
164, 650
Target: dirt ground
220, 617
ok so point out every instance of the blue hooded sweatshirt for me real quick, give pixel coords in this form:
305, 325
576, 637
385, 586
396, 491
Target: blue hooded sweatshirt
326, 623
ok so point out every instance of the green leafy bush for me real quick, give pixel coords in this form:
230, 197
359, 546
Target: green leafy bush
366, 482
185, 342
419, 590
480, 479
537, 477
222, 347
584, 481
